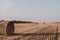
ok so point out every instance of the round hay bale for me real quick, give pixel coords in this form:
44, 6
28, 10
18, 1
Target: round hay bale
6, 28
10, 28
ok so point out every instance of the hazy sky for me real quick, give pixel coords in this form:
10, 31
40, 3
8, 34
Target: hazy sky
31, 10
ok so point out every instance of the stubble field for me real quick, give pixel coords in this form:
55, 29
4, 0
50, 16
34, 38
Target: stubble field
33, 28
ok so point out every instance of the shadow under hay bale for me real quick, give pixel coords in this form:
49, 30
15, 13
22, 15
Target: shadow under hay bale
10, 28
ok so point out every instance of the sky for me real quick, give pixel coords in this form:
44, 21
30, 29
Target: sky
30, 10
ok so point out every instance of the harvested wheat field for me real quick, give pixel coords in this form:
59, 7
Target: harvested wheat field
29, 31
